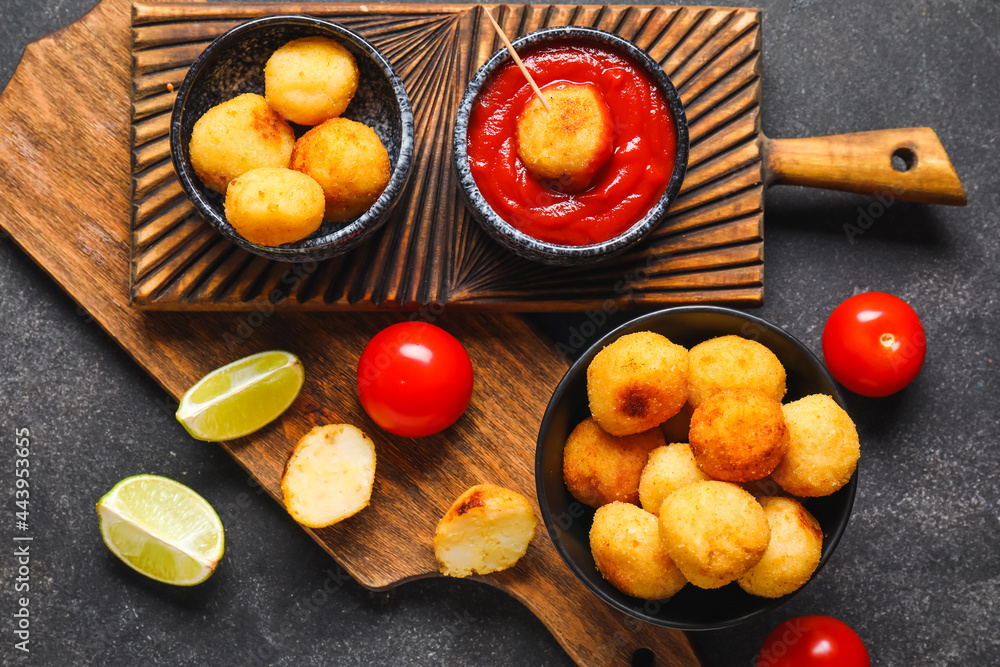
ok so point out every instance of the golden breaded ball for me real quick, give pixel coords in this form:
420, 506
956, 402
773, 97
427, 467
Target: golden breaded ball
625, 543
823, 447
668, 469
732, 362
236, 136
310, 80
792, 554
637, 382
273, 205
349, 162
565, 146
738, 435
599, 468
713, 531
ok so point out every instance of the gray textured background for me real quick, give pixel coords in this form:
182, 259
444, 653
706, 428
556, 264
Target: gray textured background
917, 573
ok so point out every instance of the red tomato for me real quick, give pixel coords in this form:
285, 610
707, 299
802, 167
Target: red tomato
813, 641
414, 379
874, 344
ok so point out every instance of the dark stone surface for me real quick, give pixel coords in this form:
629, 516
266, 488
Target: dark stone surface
917, 573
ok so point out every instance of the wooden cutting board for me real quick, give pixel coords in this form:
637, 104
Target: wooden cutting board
65, 177
431, 251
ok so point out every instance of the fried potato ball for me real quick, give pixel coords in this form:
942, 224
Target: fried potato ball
713, 531
738, 435
349, 162
565, 146
273, 205
668, 469
599, 468
236, 136
792, 554
625, 543
487, 529
823, 447
732, 362
310, 80
637, 382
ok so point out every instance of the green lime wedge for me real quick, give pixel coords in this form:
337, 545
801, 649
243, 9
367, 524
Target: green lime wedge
162, 529
241, 397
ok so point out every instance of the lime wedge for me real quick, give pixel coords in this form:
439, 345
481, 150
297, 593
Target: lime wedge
241, 397
162, 529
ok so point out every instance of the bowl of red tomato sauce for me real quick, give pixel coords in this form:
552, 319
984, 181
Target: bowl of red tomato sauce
591, 176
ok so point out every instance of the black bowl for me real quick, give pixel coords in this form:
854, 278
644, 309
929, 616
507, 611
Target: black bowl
552, 253
234, 64
568, 521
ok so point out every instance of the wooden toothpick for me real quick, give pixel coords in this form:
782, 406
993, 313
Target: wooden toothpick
517, 59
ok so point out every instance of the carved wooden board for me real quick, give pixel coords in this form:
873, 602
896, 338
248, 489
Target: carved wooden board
432, 252
65, 178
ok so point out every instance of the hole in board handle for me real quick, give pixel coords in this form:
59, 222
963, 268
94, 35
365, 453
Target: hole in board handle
643, 657
904, 159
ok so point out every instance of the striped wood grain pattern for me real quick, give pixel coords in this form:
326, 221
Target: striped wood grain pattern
432, 253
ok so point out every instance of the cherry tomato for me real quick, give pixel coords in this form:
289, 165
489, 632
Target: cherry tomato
874, 344
813, 641
414, 379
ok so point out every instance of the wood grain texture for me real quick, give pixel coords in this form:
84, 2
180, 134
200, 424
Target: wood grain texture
65, 174
864, 162
432, 253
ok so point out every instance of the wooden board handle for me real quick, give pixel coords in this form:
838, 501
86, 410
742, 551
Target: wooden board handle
908, 164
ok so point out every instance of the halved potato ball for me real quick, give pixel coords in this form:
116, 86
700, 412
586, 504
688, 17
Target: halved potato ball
732, 362
668, 469
274, 205
713, 531
637, 382
349, 162
310, 80
565, 146
738, 435
823, 447
486, 530
600, 468
625, 543
236, 136
792, 554
329, 476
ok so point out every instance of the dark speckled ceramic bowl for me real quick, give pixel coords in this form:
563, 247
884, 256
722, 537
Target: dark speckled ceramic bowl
568, 521
234, 64
552, 253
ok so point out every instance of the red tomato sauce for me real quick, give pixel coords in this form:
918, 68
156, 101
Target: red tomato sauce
623, 190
